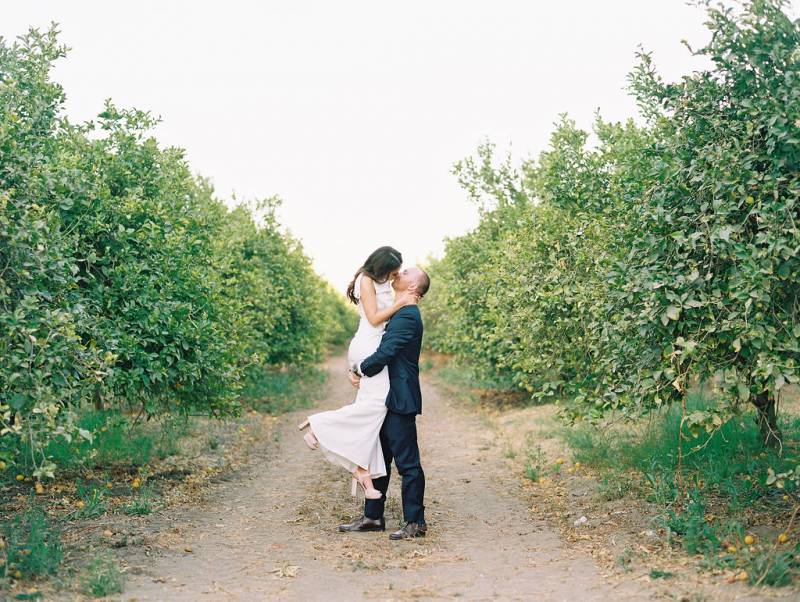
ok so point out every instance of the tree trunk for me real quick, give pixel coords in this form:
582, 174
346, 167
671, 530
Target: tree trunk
767, 420
98, 400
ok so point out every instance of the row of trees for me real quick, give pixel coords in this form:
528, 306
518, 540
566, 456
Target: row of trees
613, 273
124, 282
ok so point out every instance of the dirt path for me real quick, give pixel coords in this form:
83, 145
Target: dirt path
269, 533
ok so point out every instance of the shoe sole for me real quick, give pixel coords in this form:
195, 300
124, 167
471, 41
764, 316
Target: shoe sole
362, 530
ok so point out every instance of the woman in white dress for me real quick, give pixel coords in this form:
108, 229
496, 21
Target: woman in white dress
349, 436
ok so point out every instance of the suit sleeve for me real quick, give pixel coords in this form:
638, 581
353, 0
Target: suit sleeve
401, 329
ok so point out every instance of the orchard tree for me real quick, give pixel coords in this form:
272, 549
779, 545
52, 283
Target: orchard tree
711, 283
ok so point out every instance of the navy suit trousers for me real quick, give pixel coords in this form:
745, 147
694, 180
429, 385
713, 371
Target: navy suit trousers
399, 442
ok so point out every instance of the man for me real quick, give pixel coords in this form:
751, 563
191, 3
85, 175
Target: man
399, 349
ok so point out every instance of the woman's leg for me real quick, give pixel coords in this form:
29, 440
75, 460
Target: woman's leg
311, 439
362, 476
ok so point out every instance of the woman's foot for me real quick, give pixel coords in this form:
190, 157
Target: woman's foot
362, 477
311, 440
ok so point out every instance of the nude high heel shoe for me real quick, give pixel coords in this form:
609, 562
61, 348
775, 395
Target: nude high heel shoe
309, 437
365, 481
311, 440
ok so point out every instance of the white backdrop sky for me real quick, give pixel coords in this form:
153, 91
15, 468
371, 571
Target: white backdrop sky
354, 111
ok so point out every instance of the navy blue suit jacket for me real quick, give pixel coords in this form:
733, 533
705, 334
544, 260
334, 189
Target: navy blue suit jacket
399, 349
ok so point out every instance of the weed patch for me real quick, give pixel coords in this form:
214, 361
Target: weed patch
102, 577
32, 546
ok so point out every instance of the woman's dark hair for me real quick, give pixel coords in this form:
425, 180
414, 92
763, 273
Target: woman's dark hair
382, 262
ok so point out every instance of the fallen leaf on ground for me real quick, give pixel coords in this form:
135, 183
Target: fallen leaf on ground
290, 570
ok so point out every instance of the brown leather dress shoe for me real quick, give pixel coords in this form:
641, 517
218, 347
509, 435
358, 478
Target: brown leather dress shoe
363, 524
409, 531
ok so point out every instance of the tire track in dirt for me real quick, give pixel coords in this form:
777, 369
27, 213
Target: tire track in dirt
269, 533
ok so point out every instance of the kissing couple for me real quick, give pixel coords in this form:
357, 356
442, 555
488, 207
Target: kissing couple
380, 425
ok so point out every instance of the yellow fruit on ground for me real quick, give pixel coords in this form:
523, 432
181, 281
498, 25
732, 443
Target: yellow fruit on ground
108, 533
732, 549
20, 477
749, 540
2, 465
783, 538
742, 576
785, 498
109, 485
560, 461
17, 574
577, 464
80, 504
136, 483
39, 489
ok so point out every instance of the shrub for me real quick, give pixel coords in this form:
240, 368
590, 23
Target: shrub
125, 284
615, 274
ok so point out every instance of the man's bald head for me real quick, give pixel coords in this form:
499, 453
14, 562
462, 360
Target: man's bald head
422, 279
412, 275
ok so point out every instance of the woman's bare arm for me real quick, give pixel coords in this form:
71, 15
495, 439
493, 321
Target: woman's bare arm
370, 302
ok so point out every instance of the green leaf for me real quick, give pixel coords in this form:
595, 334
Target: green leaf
743, 391
17, 401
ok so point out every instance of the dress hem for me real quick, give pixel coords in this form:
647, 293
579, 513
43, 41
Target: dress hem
345, 462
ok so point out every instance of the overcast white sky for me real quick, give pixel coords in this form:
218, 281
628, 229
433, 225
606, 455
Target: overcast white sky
355, 111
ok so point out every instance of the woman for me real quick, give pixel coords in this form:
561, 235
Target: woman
349, 436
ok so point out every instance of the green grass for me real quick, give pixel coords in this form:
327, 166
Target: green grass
143, 504
774, 568
535, 459
614, 487
94, 502
102, 577
467, 376
723, 477
279, 390
728, 463
33, 545
117, 439
480, 388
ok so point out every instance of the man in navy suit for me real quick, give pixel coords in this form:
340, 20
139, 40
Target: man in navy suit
399, 349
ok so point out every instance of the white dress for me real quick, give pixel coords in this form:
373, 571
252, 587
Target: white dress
349, 436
